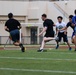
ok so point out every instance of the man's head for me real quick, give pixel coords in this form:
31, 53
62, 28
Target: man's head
10, 15
44, 16
70, 18
75, 12
60, 18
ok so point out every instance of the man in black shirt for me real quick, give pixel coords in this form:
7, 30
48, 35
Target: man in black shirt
70, 22
13, 26
48, 28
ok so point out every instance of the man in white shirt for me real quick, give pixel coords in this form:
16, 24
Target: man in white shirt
63, 33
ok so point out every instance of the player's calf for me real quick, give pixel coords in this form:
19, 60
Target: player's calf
21, 46
74, 41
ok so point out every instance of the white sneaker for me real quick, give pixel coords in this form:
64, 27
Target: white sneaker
56, 38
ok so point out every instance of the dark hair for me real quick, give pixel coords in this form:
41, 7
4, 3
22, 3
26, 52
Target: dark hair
10, 15
71, 16
44, 15
60, 17
75, 12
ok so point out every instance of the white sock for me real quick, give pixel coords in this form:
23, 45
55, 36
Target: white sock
41, 48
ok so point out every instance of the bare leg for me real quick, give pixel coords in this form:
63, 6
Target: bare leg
16, 43
45, 39
69, 45
74, 41
20, 45
57, 46
42, 44
75, 47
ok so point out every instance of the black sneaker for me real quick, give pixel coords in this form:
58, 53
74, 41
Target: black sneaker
40, 50
23, 49
70, 48
57, 46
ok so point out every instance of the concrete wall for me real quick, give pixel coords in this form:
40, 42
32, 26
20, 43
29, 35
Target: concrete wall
17, 8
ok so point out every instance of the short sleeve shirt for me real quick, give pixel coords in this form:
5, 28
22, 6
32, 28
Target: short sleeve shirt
49, 24
74, 20
12, 24
70, 24
62, 24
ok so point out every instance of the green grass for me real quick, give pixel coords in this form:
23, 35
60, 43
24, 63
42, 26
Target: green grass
52, 62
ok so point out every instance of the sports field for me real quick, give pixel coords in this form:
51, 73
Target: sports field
52, 62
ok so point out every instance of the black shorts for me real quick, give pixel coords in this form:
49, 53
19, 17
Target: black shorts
51, 34
62, 35
15, 35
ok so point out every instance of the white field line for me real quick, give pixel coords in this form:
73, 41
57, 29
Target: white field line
60, 53
32, 58
36, 70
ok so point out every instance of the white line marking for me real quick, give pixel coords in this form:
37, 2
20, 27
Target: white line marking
35, 70
61, 53
32, 58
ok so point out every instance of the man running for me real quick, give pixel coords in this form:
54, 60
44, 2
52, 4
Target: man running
70, 24
74, 33
62, 33
13, 26
48, 28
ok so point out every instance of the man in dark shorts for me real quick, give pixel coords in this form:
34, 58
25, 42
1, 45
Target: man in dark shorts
63, 33
48, 28
69, 24
74, 32
13, 26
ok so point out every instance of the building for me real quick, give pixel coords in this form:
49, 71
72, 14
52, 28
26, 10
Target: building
29, 14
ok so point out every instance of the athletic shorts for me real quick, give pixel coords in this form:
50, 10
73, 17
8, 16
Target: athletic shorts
73, 34
51, 34
15, 35
62, 35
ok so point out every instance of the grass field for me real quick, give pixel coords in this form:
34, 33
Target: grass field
52, 62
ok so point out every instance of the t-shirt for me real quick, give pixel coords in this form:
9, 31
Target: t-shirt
49, 24
60, 26
74, 20
12, 24
70, 24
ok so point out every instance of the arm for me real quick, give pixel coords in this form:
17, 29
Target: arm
73, 21
54, 25
19, 27
56, 31
6, 28
73, 24
65, 28
44, 29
